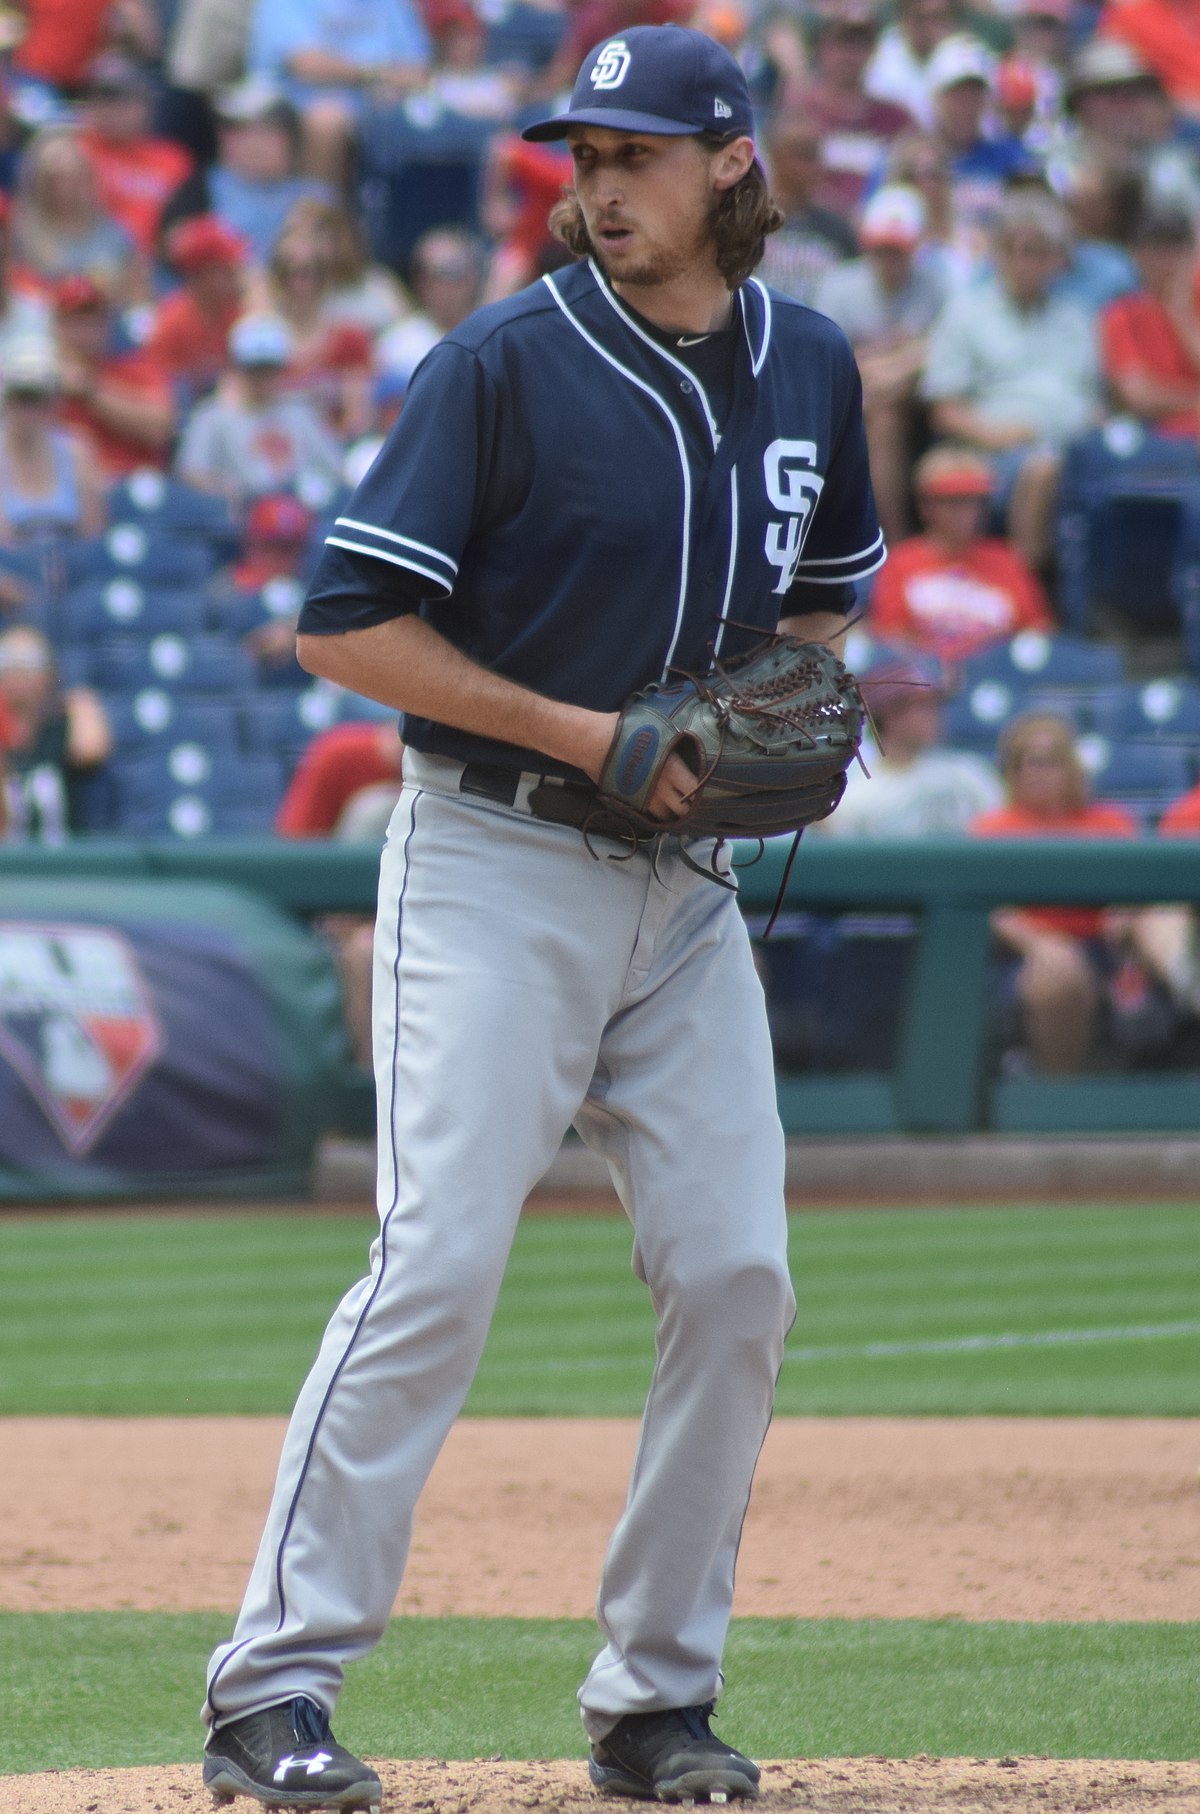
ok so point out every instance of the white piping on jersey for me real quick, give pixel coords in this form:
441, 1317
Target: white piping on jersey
662, 352
650, 392
845, 560
405, 541
842, 579
733, 548
756, 365
393, 560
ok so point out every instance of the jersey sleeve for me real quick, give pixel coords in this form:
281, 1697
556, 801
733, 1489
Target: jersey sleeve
845, 543
416, 507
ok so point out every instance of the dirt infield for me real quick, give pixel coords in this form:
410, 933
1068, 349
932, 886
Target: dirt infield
999, 1518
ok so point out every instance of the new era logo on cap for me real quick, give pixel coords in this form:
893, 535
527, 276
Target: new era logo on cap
665, 79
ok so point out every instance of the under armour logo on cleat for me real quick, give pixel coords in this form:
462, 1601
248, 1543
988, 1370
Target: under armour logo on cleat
312, 1766
721, 110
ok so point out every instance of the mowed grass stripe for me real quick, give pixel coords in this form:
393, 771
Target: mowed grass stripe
123, 1314
118, 1689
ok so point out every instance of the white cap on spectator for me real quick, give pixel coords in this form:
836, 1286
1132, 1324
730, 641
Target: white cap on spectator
260, 340
253, 98
29, 365
894, 216
959, 58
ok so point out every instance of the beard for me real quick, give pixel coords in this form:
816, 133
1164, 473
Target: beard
656, 265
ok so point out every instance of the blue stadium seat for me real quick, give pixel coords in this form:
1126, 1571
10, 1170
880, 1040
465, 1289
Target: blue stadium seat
157, 716
202, 664
1030, 659
975, 717
285, 723
1144, 777
187, 791
157, 501
239, 609
1120, 518
421, 168
1164, 710
123, 606
150, 552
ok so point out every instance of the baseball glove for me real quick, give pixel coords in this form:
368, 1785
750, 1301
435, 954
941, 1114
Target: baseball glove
769, 738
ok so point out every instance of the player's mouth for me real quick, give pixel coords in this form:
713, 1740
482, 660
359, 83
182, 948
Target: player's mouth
614, 238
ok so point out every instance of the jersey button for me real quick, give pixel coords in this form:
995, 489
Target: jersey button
687, 387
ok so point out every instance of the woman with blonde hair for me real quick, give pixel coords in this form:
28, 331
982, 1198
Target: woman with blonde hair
1059, 958
49, 488
59, 228
332, 359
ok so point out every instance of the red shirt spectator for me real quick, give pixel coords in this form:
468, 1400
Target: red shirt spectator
189, 339
63, 40
337, 765
954, 591
1150, 341
120, 402
135, 172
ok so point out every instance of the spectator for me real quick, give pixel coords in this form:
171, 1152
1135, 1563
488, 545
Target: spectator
886, 304
461, 79
361, 294
521, 183
1150, 341
918, 161
189, 334
961, 74
254, 183
915, 788
855, 127
812, 239
329, 57
1042, 43
49, 487
1165, 35
331, 359
953, 591
259, 598
899, 69
1059, 958
1012, 370
446, 276
53, 739
346, 786
59, 228
1104, 201
119, 401
251, 437
24, 313
65, 37
136, 173
1105, 103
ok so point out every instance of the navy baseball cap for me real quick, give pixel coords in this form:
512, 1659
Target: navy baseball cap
664, 79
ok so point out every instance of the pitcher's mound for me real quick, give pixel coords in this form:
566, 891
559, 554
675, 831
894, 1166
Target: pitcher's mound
947, 1785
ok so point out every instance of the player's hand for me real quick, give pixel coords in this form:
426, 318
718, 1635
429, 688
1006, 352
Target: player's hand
674, 790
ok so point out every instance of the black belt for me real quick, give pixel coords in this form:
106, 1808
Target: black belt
573, 803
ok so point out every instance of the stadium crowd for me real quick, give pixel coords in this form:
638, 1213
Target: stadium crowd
229, 234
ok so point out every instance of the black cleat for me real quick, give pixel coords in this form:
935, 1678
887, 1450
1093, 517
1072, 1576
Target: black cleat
287, 1757
671, 1756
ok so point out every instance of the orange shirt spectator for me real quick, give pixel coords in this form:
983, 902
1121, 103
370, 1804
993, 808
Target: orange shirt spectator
1182, 817
337, 765
1165, 34
953, 591
1094, 819
189, 338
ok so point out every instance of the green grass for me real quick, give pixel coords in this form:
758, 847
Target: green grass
115, 1689
1023, 1310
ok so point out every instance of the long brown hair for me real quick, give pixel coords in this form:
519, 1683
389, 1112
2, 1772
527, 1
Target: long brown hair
742, 218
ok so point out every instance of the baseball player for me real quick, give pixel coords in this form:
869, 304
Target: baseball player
639, 462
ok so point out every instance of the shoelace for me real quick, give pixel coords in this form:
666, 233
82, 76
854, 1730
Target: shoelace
696, 1719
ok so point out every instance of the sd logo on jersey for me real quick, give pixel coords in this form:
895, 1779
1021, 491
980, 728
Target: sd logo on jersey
76, 1023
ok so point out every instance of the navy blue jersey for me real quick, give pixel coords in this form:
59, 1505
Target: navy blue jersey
559, 501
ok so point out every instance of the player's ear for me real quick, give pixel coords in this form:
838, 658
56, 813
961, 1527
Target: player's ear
731, 162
